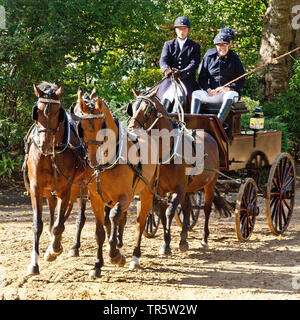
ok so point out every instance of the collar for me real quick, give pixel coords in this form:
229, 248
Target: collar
181, 42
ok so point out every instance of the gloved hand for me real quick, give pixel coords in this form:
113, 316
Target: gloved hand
176, 73
168, 73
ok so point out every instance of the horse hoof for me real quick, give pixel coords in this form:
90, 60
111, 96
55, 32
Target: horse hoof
51, 255
122, 261
32, 270
94, 274
119, 258
203, 245
165, 251
134, 264
73, 253
183, 247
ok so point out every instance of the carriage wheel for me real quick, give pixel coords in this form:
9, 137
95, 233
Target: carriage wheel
281, 193
258, 167
195, 199
152, 220
246, 209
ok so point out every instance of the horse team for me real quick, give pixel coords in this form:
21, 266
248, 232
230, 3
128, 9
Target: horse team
70, 156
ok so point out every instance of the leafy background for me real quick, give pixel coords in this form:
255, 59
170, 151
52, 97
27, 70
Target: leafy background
115, 45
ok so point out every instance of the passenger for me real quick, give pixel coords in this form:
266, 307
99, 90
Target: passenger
217, 68
180, 57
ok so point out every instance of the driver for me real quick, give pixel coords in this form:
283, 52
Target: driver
180, 57
217, 68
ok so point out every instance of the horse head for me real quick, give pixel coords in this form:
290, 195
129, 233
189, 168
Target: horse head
145, 110
98, 131
49, 116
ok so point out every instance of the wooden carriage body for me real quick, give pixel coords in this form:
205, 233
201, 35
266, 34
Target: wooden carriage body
237, 152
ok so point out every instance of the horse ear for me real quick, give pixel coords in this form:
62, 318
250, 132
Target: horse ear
79, 93
83, 107
59, 92
135, 92
93, 94
38, 92
99, 104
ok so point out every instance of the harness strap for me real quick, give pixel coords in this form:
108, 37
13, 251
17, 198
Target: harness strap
46, 100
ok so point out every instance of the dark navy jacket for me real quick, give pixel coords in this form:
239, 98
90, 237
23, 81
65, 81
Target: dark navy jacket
187, 61
215, 72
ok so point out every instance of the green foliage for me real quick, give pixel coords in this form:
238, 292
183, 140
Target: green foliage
271, 122
286, 108
250, 103
112, 45
8, 164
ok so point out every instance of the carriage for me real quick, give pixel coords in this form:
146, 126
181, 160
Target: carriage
251, 166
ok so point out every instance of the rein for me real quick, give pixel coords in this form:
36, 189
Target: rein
118, 158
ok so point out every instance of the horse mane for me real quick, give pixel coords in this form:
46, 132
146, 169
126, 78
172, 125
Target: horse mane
106, 110
48, 89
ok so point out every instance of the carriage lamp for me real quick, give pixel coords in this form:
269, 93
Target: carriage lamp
257, 122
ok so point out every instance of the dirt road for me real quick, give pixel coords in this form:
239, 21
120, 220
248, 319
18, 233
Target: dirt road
265, 267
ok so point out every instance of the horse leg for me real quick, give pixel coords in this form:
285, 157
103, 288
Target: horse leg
143, 208
209, 197
37, 228
186, 209
51, 201
116, 256
80, 221
107, 223
98, 209
121, 228
170, 212
55, 248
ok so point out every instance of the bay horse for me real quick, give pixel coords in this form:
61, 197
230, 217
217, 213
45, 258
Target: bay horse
55, 171
148, 113
90, 100
118, 180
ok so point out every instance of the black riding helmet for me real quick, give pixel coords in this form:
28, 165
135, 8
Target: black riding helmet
182, 22
229, 32
221, 38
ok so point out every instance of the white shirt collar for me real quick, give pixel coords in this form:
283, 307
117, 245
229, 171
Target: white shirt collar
181, 43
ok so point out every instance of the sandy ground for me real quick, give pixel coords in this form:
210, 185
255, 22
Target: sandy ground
265, 267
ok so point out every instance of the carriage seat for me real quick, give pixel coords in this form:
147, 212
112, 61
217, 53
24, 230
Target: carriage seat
232, 123
213, 108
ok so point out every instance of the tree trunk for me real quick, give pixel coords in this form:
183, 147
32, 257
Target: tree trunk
278, 37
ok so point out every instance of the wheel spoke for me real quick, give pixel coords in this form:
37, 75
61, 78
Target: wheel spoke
287, 172
280, 215
287, 205
287, 184
284, 214
275, 212
275, 183
252, 196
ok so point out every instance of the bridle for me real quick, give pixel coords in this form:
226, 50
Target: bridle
46, 112
38, 129
148, 112
91, 117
